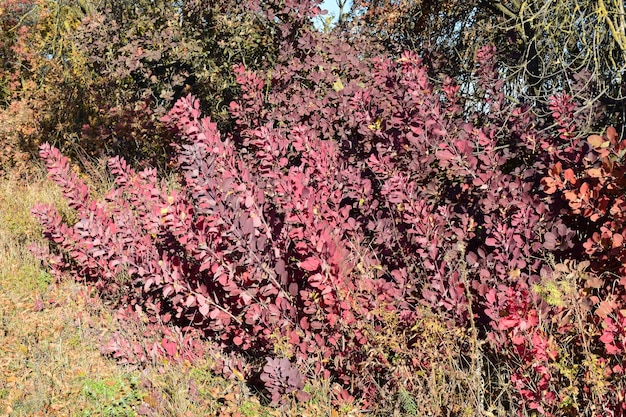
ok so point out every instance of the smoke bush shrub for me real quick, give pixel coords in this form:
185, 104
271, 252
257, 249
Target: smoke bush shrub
353, 195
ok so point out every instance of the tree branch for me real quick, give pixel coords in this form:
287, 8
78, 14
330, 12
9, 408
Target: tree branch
499, 8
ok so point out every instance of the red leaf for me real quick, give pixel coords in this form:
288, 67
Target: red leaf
490, 241
303, 396
471, 259
304, 323
507, 323
205, 265
605, 308
607, 337
618, 240
309, 264
611, 133
569, 175
170, 347
168, 290
191, 301
445, 155
518, 340
204, 309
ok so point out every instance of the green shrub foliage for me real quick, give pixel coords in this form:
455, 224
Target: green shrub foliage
95, 77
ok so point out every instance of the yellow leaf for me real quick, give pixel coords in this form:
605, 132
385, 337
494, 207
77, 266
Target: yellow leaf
515, 273
595, 172
239, 375
338, 85
377, 125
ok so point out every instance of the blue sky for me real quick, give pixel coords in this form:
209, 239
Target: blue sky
331, 6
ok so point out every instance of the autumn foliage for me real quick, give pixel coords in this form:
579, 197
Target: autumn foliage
331, 202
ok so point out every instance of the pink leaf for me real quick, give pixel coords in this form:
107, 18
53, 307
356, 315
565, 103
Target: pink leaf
490, 241
170, 347
310, 264
204, 309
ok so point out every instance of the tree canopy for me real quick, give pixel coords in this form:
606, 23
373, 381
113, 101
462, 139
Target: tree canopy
572, 46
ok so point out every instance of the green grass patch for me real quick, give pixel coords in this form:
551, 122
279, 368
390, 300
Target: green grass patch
113, 397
